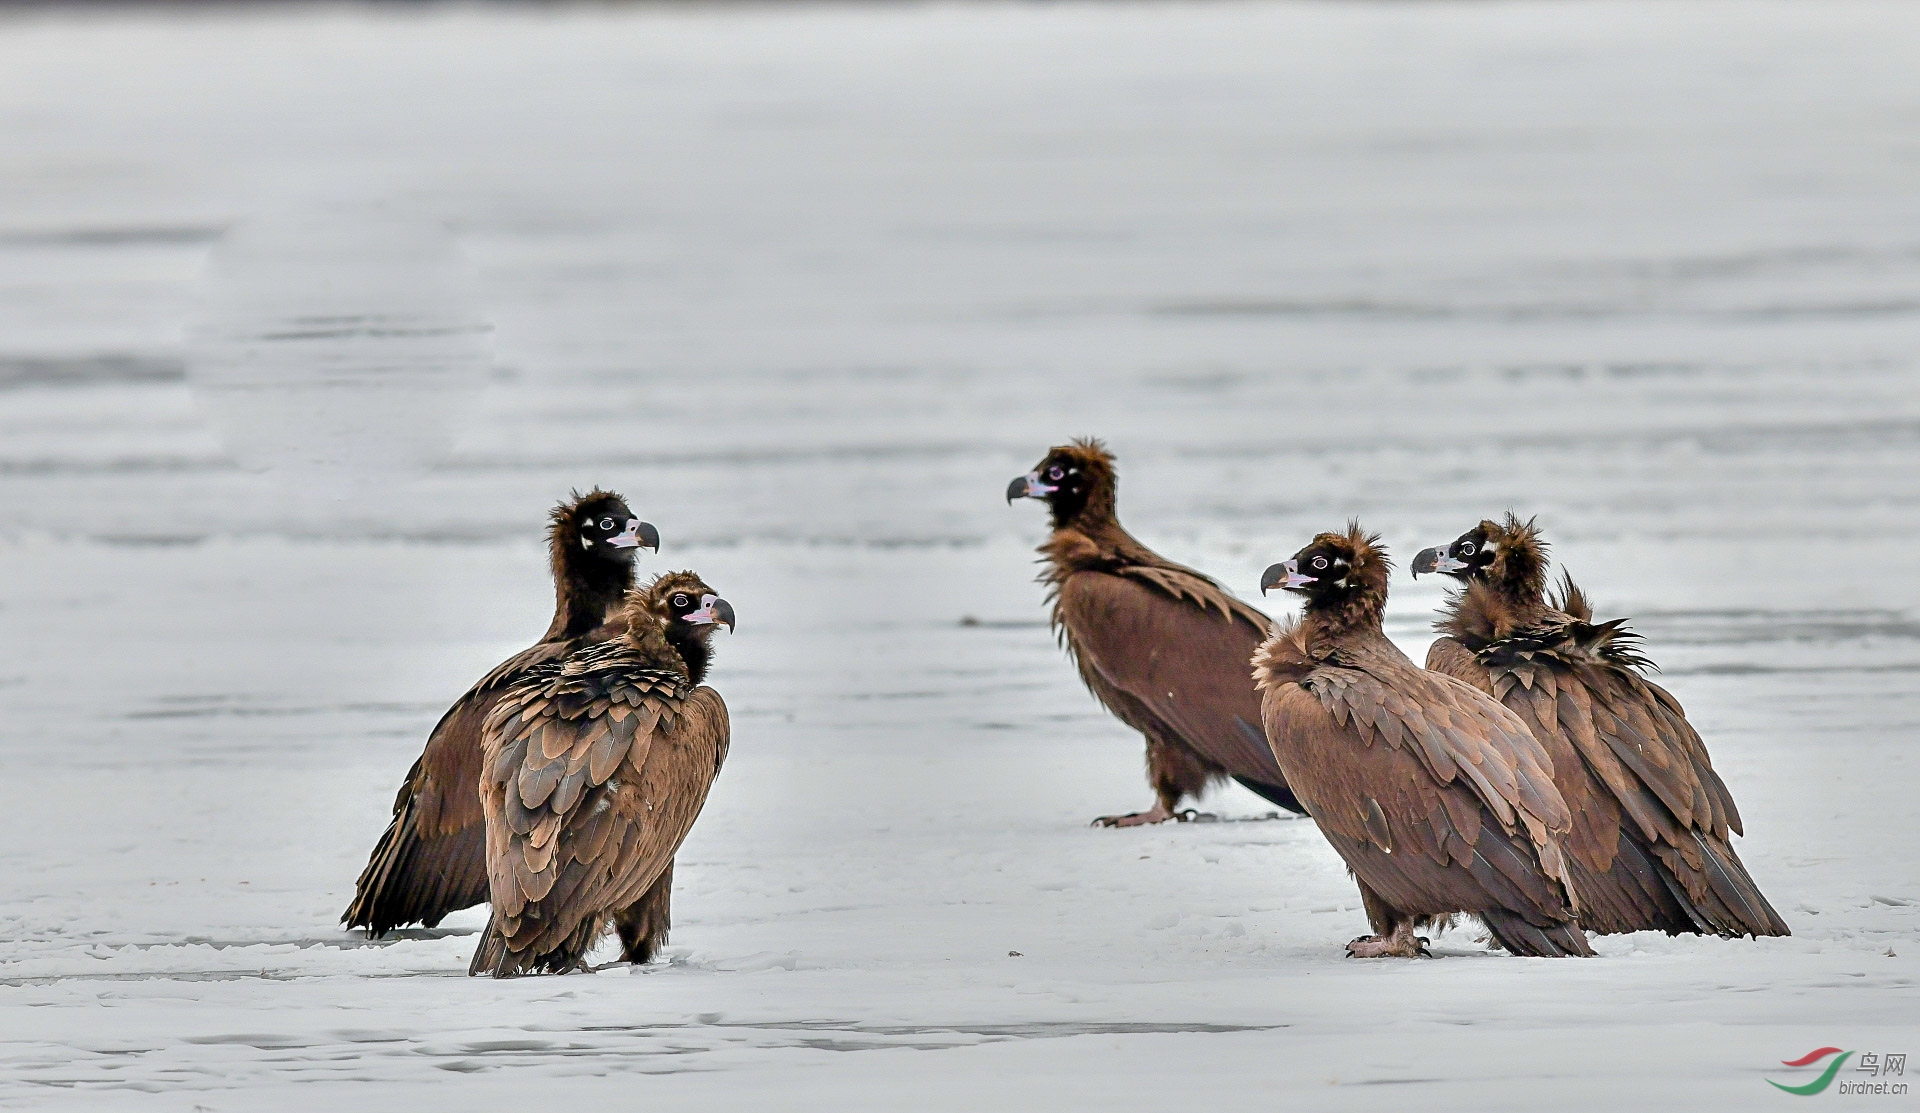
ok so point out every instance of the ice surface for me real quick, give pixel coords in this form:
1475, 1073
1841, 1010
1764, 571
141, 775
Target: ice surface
809, 285
336, 349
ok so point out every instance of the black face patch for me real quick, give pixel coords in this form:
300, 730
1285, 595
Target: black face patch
600, 521
1323, 572
1327, 565
1474, 550
1063, 473
1070, 482
679, 597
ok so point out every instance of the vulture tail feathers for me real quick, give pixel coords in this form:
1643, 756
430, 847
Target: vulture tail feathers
491, 955
414, 879
1274, 794
1725, 894
1636, 893
1530, 940
497, 957
390, 855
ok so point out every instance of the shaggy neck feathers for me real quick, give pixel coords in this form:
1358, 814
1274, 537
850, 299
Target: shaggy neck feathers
1093, 509
1510, 595
1357, 600
586, 587
1481, 612
1520, 570
646, 635
695, 646
1096, 544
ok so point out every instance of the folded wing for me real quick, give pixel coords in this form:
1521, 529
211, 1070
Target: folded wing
1173, 648
1437, 798
432, 860
593, 776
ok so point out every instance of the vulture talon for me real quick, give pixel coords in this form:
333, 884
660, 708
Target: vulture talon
1159, 813
1401, 943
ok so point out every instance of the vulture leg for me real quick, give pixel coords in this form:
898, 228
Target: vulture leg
1393, 935
643, 924
1175, 771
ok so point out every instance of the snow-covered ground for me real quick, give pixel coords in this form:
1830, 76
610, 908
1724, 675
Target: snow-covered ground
810, 285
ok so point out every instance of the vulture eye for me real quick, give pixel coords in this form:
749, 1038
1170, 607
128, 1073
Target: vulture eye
1319, 562
1054, 472
1466, 548
680, 600
606, 524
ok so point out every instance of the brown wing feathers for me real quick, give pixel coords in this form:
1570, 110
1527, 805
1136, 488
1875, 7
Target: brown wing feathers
549, 746
1161, 646
1531, 775
1438, 798
431, 859
1650, 846
596, 768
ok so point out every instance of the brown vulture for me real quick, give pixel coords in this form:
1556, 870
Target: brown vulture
1436, 796
596, 766
1649, 846
1162, 646
431, 859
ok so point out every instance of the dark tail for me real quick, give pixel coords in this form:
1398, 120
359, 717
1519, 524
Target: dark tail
1277, 794
491, 956
409, 879
495, 957
1720, 893
1530, 940
1638, 893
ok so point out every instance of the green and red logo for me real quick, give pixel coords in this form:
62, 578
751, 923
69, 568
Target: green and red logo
1826, 1076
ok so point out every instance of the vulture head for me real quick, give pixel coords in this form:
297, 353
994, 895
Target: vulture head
1336, 572
688, 612
599, 524
1075, 480
1508, 554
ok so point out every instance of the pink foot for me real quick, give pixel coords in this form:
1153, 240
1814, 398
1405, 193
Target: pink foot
1159, 814
1403, 943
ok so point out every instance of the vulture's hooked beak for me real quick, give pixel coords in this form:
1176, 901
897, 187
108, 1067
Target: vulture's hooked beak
713, 611
638, 535
1435, 560
1285, 574
1028, 486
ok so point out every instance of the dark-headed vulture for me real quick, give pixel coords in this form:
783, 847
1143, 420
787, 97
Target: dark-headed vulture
1436, 796
1162, 646
431, 860
1650, 847
596, 766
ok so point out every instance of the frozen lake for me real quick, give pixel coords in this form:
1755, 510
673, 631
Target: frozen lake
809, 286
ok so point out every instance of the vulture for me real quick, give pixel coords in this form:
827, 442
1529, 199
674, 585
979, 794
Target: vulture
431, 860
1436, 796
1649, 847
1160, 645
595, 766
